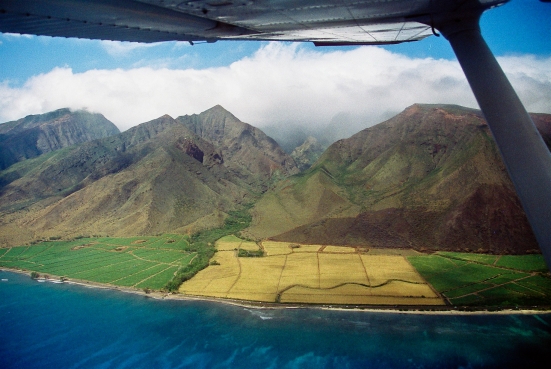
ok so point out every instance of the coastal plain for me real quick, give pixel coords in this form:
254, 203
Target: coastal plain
291, 273
312, 274
135, 262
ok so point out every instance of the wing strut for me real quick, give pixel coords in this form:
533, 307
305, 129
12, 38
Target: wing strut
524, 152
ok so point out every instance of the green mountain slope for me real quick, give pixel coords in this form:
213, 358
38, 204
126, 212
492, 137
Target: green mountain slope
429, 178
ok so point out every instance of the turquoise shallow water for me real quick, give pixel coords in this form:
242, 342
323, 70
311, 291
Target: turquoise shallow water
46, 325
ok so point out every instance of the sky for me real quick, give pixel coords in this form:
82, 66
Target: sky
268, 84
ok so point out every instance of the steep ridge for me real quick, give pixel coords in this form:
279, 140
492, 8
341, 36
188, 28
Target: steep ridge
35, 135
248, 151
306, 154
156, 177
429, 178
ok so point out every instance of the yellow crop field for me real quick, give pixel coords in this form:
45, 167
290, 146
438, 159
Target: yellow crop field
259, 279
351, 294
226, 246
300, 269
277, 248
215, 280
404, 289
340, 249
306, 248
314, 274
336, 269
228, 243
399, 252
230, 239
381, 268
249, 246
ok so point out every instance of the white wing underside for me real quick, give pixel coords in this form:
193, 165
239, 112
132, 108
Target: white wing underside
319, 21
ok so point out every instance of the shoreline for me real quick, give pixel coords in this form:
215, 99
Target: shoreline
396, 309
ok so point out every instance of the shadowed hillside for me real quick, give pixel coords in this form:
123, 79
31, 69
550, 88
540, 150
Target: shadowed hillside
429, 178
257, 158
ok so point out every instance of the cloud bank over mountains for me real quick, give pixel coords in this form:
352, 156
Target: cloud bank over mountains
280, 83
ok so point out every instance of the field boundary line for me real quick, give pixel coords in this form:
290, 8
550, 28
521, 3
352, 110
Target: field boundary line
151, 276
152, 261
495, 286
432, 275
103, 266
395, 280
322, 288
7, 252
1, 256
179, 263
47, 248
278, 294
445, 298
350, 283
130, 275
489, 265
319, 271
193, 258
238, 274
365, 269
77, 262
528, 288
26, 261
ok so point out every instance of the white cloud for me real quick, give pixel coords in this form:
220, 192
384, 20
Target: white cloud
15, 35
120, 49
279, 83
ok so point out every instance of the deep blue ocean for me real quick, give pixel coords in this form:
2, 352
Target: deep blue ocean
46, 325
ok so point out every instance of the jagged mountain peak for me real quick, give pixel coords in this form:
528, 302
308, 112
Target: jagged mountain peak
38, 134
219, 110
245, 148
215, 124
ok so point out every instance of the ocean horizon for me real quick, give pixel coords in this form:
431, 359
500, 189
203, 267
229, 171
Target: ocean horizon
47, 325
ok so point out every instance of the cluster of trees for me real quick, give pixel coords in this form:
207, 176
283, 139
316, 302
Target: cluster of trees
203, 243
250, 254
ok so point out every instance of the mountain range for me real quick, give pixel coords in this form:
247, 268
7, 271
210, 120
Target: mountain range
159, 176
429, 178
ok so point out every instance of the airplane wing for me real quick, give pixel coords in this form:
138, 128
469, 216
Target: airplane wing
324, 22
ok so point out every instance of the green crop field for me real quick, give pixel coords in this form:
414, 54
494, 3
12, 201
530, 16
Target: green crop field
487, 280
141, 262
